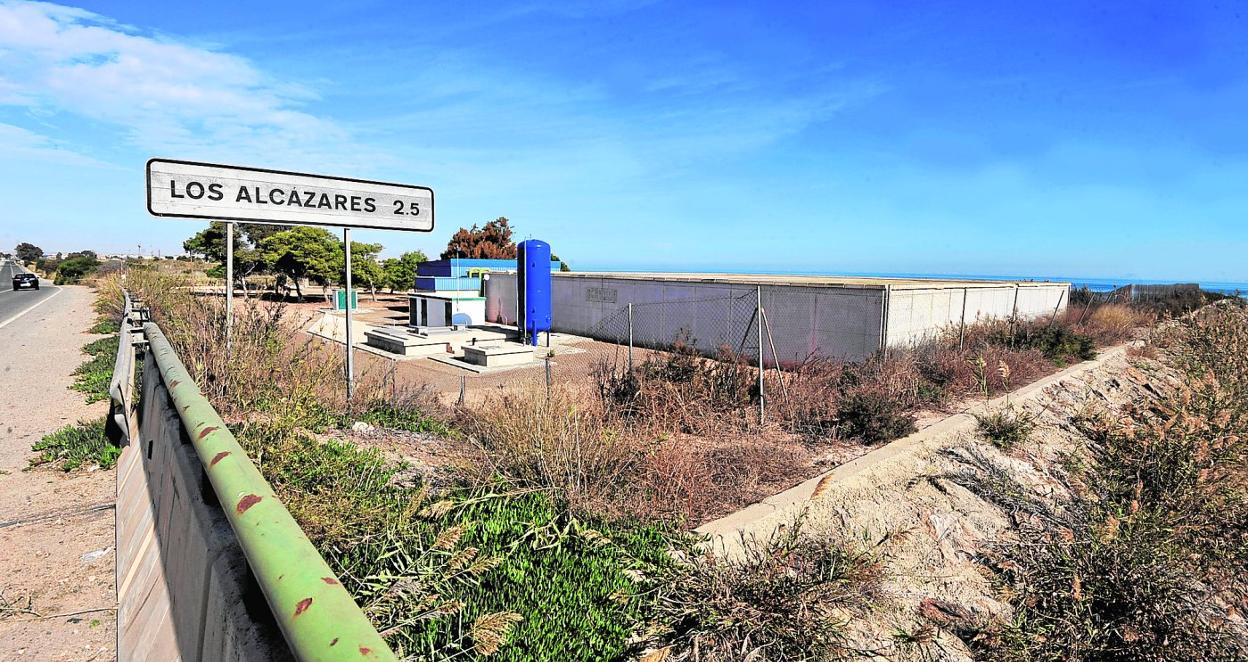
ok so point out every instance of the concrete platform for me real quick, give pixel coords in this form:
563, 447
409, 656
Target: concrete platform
435, 341
494, 356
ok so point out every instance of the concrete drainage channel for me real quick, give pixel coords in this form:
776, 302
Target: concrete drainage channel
210, 565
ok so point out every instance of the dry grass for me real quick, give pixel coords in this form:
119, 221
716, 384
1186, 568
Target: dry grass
1149, 560
563, 440
786, 598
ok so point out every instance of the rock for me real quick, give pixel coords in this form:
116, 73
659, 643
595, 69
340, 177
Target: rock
362, 427
92, 556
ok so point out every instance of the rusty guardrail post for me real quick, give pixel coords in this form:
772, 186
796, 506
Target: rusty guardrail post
317, 616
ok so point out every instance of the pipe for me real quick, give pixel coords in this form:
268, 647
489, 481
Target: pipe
317, 616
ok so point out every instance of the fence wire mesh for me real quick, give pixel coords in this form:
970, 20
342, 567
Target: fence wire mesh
622, 338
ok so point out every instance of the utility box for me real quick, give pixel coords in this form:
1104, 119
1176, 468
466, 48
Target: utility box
340, 299
533, 287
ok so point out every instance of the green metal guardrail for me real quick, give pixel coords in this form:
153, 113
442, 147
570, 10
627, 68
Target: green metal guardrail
318, 617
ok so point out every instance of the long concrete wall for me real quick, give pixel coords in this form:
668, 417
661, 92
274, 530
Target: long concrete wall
806, 318
919, 313
830, 321
184, 588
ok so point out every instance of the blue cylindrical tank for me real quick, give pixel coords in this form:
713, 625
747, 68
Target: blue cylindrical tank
533, 286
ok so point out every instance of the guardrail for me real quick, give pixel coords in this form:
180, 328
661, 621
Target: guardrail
316, 615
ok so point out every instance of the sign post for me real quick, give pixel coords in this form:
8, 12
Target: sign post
229, 287
187, 189
346, 248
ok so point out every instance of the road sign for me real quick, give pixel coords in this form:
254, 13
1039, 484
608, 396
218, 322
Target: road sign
186, 189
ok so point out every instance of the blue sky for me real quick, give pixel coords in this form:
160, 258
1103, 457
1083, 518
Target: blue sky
1076, 139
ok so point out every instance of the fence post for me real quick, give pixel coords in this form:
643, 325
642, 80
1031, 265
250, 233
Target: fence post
962, 327
463, 384
758, 317
548, 376
630, 338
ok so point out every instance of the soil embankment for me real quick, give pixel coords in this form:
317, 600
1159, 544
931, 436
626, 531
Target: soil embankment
915, 502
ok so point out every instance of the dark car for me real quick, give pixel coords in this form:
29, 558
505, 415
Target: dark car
25, 282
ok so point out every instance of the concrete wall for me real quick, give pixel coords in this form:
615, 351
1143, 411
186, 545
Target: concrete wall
915, 314
834, 321
184, 589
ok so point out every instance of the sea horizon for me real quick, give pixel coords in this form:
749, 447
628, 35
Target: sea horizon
1095, 284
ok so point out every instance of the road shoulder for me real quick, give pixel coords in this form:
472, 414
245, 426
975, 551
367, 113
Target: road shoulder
57, 596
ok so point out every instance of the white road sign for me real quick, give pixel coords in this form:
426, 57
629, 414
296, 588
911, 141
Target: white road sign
186, 189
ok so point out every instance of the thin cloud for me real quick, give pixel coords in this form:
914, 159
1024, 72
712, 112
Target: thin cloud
21, 144
164, 95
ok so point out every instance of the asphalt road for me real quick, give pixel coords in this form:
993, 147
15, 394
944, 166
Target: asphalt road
15, 305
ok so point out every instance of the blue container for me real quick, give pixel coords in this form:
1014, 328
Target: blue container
533, 287
459, 267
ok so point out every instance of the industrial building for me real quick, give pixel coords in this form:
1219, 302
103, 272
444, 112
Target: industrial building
449, 291
835, 317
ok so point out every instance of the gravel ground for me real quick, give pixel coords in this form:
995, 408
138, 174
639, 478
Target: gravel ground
56, 529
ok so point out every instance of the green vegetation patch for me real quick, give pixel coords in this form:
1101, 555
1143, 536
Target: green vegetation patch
105, 325
386, 414
494, 570
92, 377
1058, 343
77, 446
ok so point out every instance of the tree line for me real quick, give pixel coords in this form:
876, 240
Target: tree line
295, 255
299, 254
64, 268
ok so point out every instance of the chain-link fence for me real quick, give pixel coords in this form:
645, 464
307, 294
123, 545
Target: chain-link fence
726, 327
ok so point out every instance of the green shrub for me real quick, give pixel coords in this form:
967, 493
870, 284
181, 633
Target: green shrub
1006, 427
1058, 343
93, 376
874, 416
77, 446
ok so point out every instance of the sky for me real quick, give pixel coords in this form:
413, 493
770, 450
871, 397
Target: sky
1100, 139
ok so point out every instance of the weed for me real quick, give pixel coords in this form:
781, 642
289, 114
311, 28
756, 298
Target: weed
1006, 427
93, 376
77, 446
493, 569
409, 412
1149, 560
105, 325
874, 416
786, 598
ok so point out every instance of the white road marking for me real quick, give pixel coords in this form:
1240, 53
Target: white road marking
30, 308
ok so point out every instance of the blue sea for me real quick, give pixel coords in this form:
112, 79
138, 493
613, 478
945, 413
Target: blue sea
1094, 284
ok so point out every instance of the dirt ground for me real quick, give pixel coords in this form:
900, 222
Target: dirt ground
57, 597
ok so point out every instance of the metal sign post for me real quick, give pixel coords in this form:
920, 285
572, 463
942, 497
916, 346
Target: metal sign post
187, 189
346, 247
229, 287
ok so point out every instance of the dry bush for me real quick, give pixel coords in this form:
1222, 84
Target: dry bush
811, 396
691, 482
272, 369
1109, 323
556, 439
785, 598
596, 462
1149, 561
682, 390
